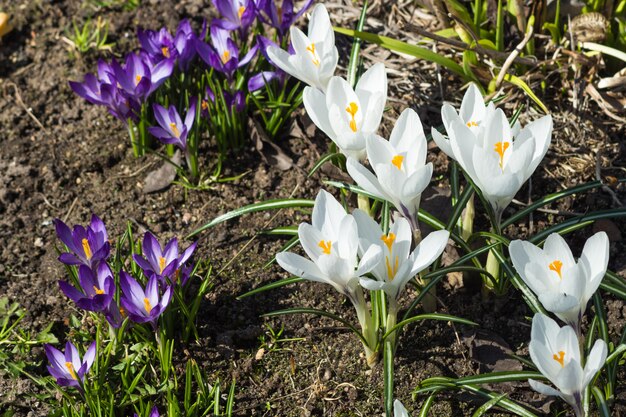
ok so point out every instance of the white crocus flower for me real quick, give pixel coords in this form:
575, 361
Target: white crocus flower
399, 410
316, 55
400, 265
349, 116
556, 353
400, 166
332, 244
563, 286
498, 158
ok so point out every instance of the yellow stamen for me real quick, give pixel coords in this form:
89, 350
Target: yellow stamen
397, 161
98, 290
311, 49
161, 264
500, 148
472, 123
556, 267
560, 358
146, 305
241, 11
137, 79
175, 130
177, 275
165, 51
122, 312
225, 57
325, 245
391, 271
70, 368
204, 105
352, 109
87, 249
388, 240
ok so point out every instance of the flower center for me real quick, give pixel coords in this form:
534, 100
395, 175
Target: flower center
388, 240
241, 11
204, 105
311, 49
325, 245
70, 368
397, 161
137, 79
556, 267
225, 57
352, 109
391, 269
98, 290
560, 358
165, 51
87, 249
500, 148
472, 123
161, 264
175, 130
146, 305
122, 312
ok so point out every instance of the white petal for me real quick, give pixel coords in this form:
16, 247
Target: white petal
364, 178
319, 25
473, 105
556, 248
300, 266
372, 92
370, 259
372, 285
544, 389
399, 410
428, 250
315, 105
594, 261
595, 361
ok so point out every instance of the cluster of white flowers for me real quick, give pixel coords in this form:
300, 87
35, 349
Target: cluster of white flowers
497, 157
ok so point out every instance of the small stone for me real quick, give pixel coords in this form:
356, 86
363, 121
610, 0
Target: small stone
38, 242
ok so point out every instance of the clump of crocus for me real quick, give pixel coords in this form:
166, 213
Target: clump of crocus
348, 116
236, 15
332, 244
143, 306
315, 58
161, 45
401, 171
557, 354
564, 286
88, 245
497, 157
164, 262
153, 413
68, 368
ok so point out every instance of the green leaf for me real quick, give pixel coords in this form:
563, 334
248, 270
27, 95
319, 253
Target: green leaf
480, 411
272, 286
353, 64
521, 84
429, 316
577, 223
405, 48
323, 160
388, 376
252, 208
601, 402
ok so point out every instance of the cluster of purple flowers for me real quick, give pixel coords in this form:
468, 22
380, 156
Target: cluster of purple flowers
89, 250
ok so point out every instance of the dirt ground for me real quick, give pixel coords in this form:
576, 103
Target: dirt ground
63, 158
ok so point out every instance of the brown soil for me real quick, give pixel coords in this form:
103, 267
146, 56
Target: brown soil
76, 160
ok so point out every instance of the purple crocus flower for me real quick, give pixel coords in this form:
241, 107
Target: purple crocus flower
237, 14
143, 306
236, 100
153, 413
164, 262
204, 104
114, 314
68, 368
223, 55
171, 129
138, 78
280, 17
159, 45
97, 288
88, 245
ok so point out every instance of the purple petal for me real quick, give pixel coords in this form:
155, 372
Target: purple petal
70, 291
132, 290
251, 53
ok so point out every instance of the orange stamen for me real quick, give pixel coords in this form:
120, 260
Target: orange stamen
352, 109
391, 271
556, 267
98, 290
87, 248
122, 312
161, 264
500, 148
311, 49
225, 57
175, 130
146, 305
560, 358
241, 11
388, 240
326, 246
397, 161
165, 51
137, 79
70, 368
472, 123
204, 105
